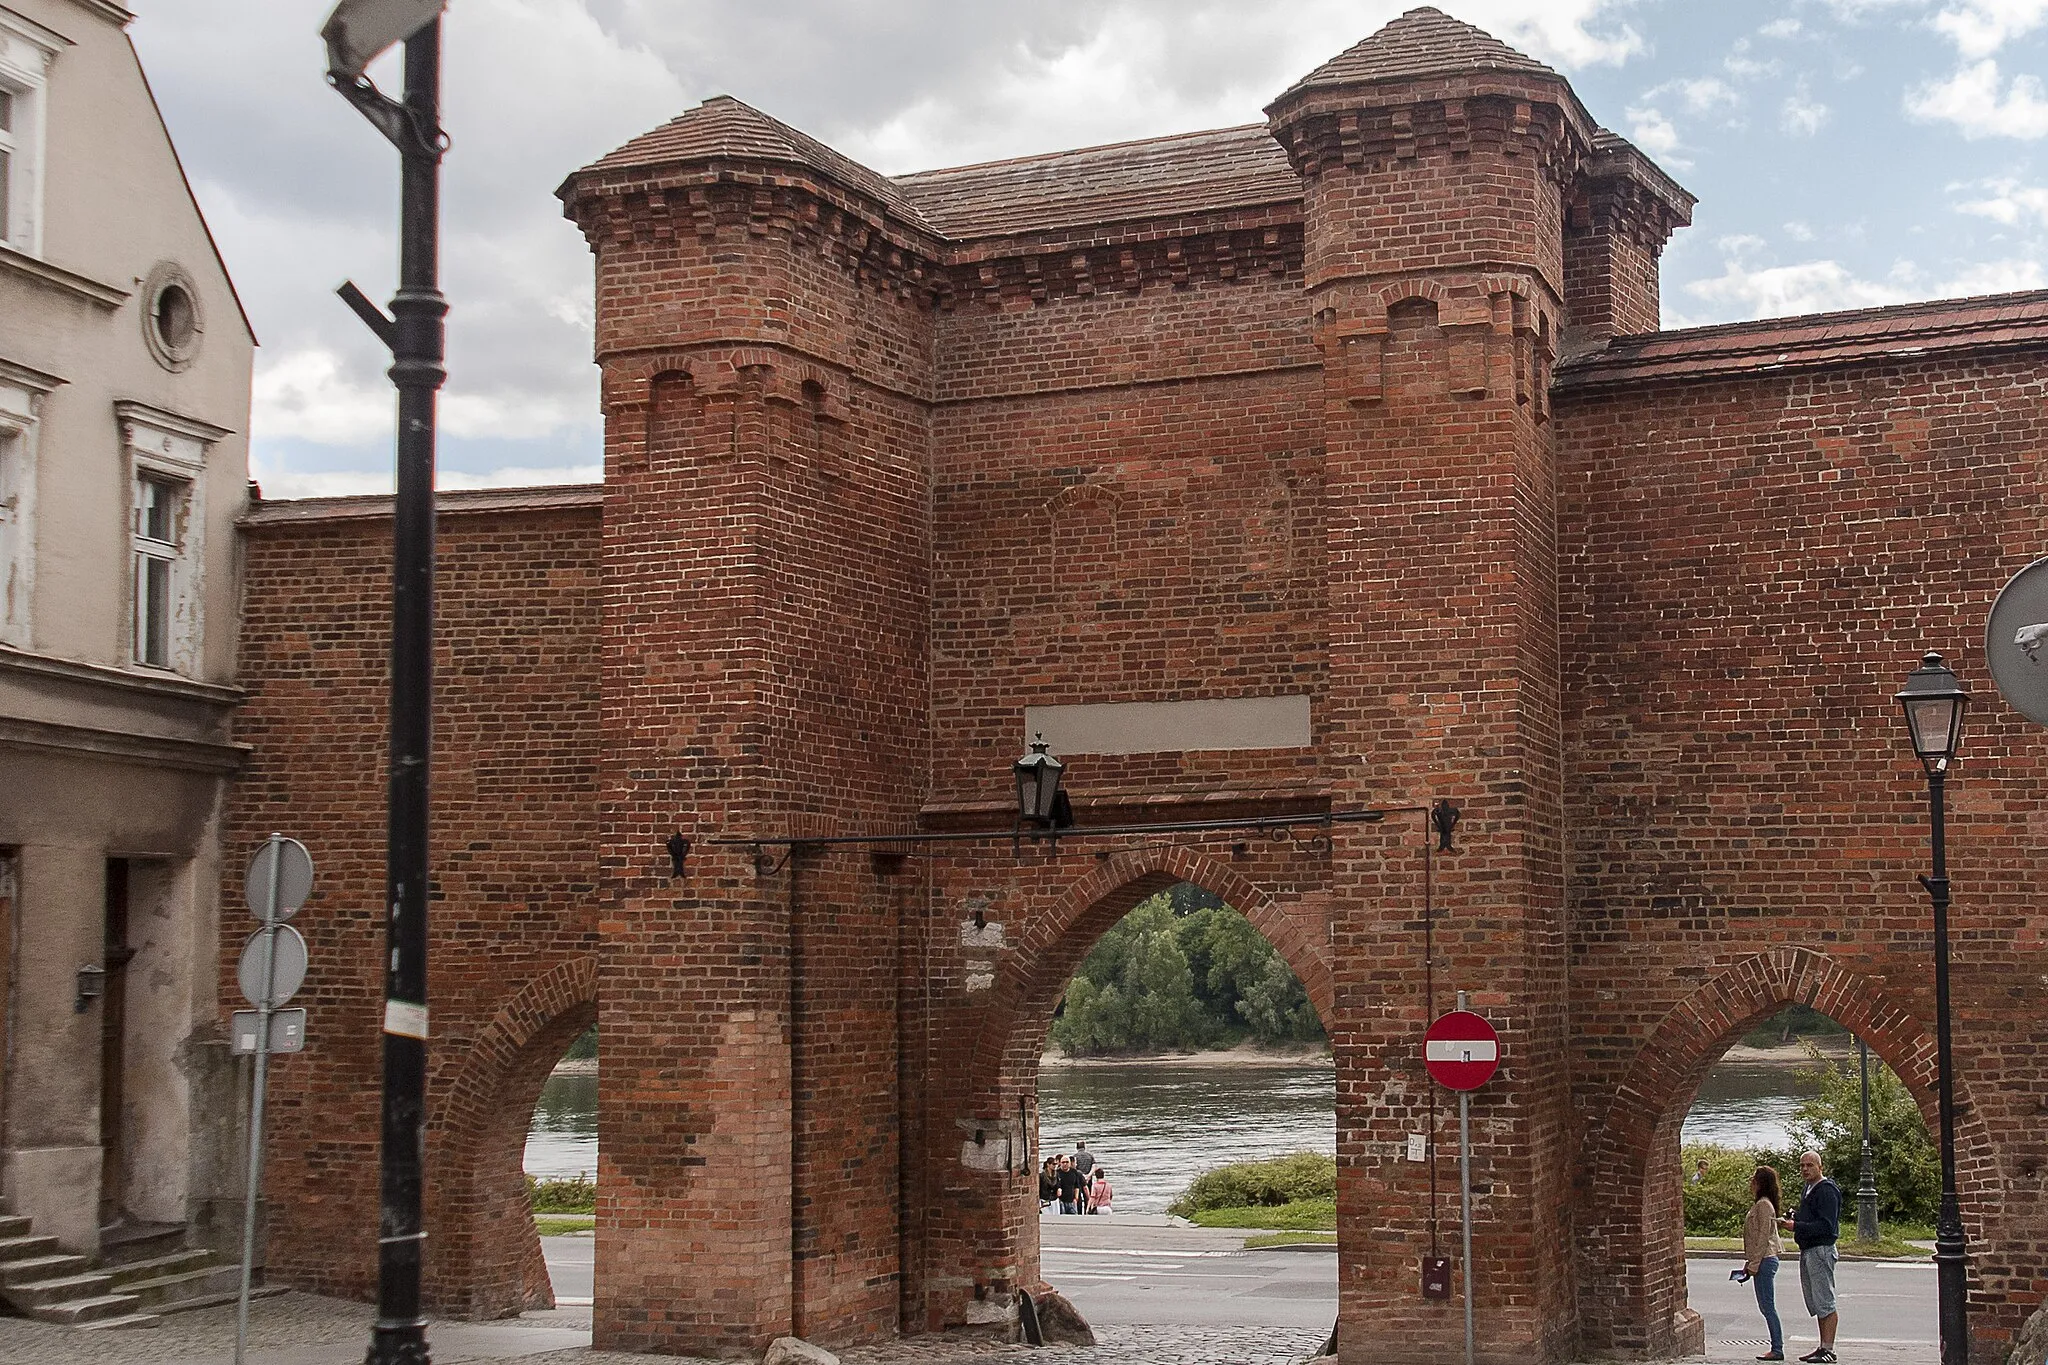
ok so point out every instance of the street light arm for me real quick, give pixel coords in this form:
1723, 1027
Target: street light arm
401, 124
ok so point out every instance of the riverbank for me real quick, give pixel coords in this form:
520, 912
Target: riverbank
1243, 1055
1834, 1048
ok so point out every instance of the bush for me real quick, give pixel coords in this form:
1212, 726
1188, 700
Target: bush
1716, 1206
1295, 1178
562, 1196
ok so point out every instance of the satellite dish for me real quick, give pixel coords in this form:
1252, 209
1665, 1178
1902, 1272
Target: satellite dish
2016, 642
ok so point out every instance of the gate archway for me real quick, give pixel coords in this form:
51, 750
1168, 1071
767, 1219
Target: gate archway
485, 1258
1634, 1241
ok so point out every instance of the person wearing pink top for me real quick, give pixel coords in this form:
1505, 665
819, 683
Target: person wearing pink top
1099, 1193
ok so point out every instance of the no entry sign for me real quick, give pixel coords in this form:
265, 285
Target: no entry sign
1461, 1050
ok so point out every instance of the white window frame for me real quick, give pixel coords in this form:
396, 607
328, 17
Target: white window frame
27, 51
163, 448
21, 403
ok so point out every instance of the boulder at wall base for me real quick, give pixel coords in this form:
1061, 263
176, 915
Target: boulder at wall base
1062, 1323
2032, 1346
797, 1351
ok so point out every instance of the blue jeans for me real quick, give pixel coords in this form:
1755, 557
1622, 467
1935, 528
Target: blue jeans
1766, 1283
1067, 1206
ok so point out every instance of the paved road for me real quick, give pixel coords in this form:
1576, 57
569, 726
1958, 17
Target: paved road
1880, 1301
1125, 1273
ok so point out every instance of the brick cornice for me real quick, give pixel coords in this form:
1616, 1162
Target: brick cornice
704, 201
1376, 128
1215, 255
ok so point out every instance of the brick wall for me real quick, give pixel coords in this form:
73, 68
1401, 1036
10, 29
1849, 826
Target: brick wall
512, 912
1755, 565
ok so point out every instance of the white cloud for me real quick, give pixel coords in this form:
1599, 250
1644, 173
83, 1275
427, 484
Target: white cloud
1704, 95
1974, 102
281, 483
1746, 289
1979, 28
306, 394
1739, 64
1780, 28
1655, 134
1798, 231
1993, 277
2009, 203
1802, 114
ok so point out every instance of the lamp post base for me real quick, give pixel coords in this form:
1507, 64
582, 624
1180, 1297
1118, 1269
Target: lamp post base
1951, 1274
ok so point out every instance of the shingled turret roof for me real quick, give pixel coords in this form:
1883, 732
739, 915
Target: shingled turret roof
1422, 42
725, 128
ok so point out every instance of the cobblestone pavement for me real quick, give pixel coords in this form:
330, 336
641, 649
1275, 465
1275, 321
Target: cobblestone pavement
301, 1329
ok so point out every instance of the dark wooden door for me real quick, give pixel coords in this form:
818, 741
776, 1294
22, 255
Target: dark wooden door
113, 1028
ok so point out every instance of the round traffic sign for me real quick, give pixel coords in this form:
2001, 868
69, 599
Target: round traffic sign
294, 870
1461, 1050
2016, 642
287, 972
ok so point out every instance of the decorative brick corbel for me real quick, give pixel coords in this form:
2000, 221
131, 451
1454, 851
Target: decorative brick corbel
1466, 323
1354, 360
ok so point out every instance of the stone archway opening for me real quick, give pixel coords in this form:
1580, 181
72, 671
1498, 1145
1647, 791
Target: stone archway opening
1034, 993
485, 1257
1636, 1234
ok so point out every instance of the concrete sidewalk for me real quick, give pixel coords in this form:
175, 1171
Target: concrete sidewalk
301, 1329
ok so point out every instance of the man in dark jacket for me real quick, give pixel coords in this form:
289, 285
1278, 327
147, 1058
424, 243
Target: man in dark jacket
1815, 1225
1070, 1183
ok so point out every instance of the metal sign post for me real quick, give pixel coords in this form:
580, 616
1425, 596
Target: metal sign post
1462, 1051
280, 877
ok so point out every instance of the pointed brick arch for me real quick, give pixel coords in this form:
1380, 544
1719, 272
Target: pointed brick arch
1635, 1241
1052, 942
484, 1259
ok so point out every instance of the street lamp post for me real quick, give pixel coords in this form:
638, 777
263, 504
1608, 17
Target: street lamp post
356, 33
1866, 1184
1934, 704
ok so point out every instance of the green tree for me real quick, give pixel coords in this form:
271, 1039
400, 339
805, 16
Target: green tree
1907, 1165
1182, 971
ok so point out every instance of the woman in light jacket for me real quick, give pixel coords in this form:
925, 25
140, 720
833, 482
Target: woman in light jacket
1760, 1251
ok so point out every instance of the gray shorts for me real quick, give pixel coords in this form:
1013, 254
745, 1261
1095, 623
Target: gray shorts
1817, 1279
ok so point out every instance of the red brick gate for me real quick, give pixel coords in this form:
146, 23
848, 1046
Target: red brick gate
1336, 448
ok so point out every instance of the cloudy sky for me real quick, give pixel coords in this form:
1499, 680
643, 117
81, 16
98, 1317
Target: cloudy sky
1846, 153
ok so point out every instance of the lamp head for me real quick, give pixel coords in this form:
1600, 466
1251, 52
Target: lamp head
1934, 703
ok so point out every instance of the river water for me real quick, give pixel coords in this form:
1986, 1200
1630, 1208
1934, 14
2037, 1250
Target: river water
1156, 1125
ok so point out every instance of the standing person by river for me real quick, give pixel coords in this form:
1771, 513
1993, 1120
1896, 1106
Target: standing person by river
1071, 1185
1049, 1181
1099, 1191
1816, 1225
1761, 1250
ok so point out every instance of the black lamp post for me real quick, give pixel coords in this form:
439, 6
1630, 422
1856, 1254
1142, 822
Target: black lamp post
1866, 1184
1934, 704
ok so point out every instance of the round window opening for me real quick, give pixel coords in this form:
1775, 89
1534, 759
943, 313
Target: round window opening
175, 321
171, 322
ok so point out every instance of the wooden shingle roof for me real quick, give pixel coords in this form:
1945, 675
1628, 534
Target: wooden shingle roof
724, 128
1222, 168
1423, 42
1864, 335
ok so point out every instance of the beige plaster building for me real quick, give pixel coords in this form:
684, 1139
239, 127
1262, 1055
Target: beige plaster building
124, 406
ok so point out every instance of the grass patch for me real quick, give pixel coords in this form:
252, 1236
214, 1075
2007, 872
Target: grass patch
562, 1196
1289, 1239
1887, 1247
561, 1225
1298, 1215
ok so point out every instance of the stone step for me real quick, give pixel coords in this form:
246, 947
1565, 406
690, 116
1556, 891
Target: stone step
126, 1273
40, 1294
127, 1242
22, 1247
95, 1308
256, 1291
31, 1268
121, 1323
173, 1292
15, 1225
